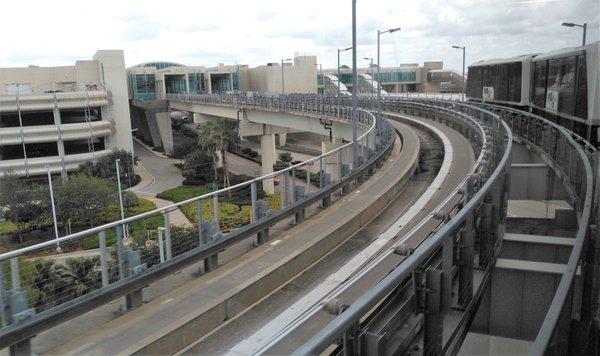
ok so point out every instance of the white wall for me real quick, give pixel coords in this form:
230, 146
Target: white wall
112, 71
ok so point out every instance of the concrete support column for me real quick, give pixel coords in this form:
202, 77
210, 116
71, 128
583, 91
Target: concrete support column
332, 162
282, 139
267, 151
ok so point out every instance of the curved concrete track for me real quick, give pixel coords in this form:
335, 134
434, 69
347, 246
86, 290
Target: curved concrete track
176, 319
281, 322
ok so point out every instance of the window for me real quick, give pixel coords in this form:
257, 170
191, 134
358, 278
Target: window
501, 89
514, 82
474, 82
19, 88
581, 104
561, 79
539, 81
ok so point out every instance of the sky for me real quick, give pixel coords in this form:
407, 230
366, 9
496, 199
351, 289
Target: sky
59, 32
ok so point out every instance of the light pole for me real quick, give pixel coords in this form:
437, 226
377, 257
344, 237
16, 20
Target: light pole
354, 90
322, 79
370, 59
338, 65
119, 187
379, 33
282, 76
584, 26
53, 209
463, 69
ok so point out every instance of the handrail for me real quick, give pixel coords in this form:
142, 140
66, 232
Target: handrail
369, 300
545, 333
15, 253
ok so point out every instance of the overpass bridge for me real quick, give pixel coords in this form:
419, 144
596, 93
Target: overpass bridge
406, 247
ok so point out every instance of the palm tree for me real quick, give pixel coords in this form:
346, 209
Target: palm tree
218, 136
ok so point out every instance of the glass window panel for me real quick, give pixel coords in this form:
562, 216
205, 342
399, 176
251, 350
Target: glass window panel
581, 109
539, 88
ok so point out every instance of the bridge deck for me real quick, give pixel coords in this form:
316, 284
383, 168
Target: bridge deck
176, 319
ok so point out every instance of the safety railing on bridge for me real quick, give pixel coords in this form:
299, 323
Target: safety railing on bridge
570, 157
484, 195
48, 283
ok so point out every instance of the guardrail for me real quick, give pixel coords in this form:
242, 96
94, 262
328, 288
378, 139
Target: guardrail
486, 186
42, 292
569, 156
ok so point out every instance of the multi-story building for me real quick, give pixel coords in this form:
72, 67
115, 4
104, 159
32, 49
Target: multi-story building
63, 116
410, 77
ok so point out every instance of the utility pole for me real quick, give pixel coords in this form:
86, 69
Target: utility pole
464, 90
282, 75
379, 33
584, 26
354, 90
58, 249
338, 65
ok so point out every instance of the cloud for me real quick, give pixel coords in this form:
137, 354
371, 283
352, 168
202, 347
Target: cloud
254, 33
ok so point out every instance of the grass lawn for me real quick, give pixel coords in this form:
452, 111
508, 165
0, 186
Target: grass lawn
183, 192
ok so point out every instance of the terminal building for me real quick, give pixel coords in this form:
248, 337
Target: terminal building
302, 74
63, 116
151, 83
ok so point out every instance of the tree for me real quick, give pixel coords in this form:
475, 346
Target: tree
218, 135
197, 168
25, 205
286, 157
105, 167
84, 199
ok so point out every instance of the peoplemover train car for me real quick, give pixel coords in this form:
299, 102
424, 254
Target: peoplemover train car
565, 88
500, 81
562, 86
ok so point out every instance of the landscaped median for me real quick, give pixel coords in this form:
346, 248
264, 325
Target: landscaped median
234, 210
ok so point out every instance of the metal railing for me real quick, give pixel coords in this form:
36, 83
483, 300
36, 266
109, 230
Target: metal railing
46, 287
569, 156
489, 183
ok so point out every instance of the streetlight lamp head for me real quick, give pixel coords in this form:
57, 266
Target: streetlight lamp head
457, 47
395, 29
568, 24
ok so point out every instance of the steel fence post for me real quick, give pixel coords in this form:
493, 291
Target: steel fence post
103, 258
15, 277
168, 246
253, 198
216, 209
161, 244
199, 218
120, 248
467, 251
3, 300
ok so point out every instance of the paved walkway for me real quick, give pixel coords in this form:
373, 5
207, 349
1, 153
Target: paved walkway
158, 174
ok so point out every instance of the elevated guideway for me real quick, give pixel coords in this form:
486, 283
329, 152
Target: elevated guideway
303, 309
369, 274
191, 311
140, 262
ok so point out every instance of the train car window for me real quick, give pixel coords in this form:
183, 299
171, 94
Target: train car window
566, 80
514, 82
501, 90
539, 80
489, 76
474, 83
581, 104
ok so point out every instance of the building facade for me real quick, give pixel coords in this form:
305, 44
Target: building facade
63, 116
406, 78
